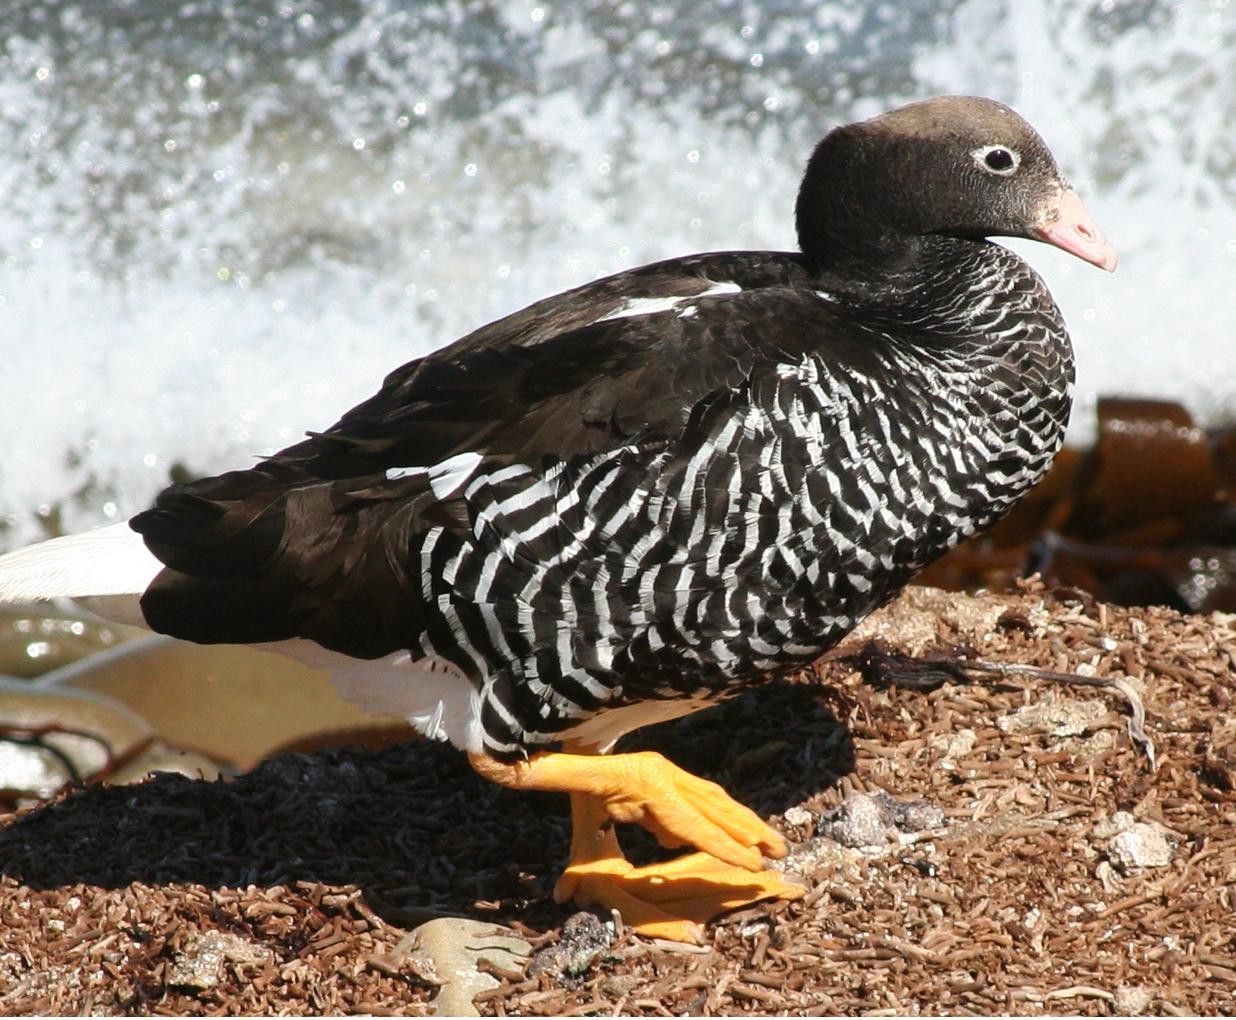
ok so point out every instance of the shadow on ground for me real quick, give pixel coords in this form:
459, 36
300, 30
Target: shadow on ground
412, 825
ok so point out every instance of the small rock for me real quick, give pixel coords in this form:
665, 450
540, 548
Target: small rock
1144, 845
450, 948
798, 816
1067, 718
911, 815
51, 737
1131, 1000
875, 820
584, 937
859, 821
1121, 821
199, 963
1108, 876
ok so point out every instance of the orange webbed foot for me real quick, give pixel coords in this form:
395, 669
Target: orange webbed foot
645, 788
669, 900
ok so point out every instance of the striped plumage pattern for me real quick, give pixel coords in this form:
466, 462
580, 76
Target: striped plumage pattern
783, 515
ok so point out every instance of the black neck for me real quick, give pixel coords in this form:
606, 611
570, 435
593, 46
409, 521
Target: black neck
928, 270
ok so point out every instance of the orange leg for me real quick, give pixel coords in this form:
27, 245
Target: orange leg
668, 900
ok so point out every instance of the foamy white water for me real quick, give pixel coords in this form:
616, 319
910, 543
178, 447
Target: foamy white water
221, 225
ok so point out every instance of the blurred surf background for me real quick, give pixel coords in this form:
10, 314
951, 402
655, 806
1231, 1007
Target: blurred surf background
221, 222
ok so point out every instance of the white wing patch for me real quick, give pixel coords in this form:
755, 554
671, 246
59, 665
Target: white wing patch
651, 305
446, 478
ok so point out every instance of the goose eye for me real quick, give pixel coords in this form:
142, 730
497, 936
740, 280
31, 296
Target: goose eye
997, 159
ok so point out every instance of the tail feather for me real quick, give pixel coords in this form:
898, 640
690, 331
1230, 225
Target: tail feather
109, 568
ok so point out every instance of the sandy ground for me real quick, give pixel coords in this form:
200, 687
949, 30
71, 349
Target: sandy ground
1065, 877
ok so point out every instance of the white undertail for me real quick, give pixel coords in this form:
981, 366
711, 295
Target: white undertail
107, 568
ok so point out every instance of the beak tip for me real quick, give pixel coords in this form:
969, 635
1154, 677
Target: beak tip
1069, 227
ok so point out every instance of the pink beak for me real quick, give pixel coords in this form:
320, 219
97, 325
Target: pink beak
1068, 225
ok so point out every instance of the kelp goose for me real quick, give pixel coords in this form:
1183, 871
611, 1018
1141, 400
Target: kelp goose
648, 493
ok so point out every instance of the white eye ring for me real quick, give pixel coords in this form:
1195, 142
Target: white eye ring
997, 159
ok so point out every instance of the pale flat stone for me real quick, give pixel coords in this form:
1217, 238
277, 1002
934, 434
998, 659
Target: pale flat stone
38, 638
56, 736
449, 949
232, 703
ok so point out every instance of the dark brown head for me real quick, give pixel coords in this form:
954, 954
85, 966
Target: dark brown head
956, 166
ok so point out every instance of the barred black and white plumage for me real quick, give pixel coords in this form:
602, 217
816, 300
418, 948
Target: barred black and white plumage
650, 492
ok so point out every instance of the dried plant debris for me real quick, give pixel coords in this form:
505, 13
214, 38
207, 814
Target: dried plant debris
881, 667
1065, 878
